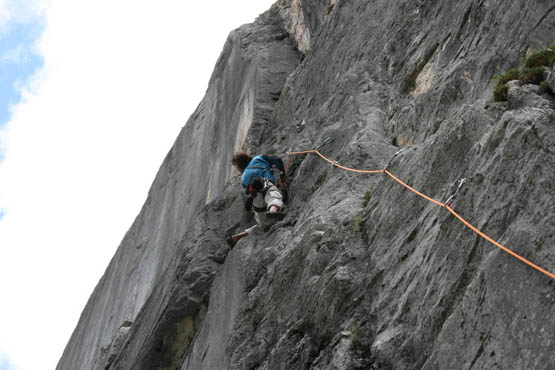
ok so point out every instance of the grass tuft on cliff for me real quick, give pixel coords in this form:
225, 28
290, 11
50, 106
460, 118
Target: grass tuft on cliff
501, 89
541, 58
366, 198
532, 73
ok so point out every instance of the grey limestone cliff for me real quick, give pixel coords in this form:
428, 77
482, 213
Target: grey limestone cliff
243, 89
362, 273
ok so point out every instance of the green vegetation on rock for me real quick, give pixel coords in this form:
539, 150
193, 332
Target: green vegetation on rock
532, 73
358, 221
544, 57
366, 198
545, 88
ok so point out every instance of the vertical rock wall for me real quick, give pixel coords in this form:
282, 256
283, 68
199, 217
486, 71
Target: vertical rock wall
244, 87
361, 274
391, 281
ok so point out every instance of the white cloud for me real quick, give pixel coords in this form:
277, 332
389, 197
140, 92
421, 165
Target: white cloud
17, 55
5, 363
120, 78
20, 11
4, 14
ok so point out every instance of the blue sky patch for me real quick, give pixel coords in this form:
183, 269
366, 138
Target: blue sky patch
5, 363
18, 61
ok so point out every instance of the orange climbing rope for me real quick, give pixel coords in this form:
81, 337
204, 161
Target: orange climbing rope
436, 202
413, 190
334, 163
515, 255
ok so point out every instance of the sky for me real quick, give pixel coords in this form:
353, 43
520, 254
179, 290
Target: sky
92, 96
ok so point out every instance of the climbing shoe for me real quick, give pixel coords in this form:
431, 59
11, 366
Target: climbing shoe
231, 242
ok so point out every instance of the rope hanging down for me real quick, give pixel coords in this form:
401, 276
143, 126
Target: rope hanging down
446, 205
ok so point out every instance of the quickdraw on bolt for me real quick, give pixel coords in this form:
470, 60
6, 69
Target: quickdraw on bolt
456, 193
392, 158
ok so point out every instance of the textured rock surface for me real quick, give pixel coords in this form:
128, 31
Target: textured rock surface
388, 282
550, 79
529, 96
243, 89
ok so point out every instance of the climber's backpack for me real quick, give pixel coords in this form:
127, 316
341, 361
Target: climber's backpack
278, 170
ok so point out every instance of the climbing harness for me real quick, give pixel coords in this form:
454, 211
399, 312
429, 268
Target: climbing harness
258, 209
446, 205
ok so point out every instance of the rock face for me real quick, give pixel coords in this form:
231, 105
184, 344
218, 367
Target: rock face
155, 264
361, 274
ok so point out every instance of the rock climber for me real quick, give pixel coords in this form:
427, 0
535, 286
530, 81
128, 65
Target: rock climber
260, 177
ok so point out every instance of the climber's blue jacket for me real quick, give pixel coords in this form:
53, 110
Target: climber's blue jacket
261, 167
